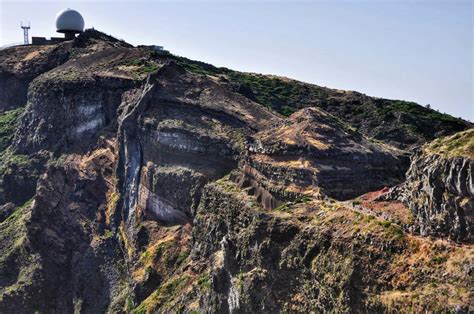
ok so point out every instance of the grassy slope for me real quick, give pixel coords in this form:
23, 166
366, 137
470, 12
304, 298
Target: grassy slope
8, 124
8, 121
460, 144
14, 251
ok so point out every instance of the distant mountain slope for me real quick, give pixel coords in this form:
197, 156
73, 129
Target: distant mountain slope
401, 123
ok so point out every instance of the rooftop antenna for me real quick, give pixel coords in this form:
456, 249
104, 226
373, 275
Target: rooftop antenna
25, 32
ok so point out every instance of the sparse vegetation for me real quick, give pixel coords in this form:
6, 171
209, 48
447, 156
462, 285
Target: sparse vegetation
112, 201
311, 253
459, 144
384, 223
8, 160
149, 68
303, 199
285, 207
439, 259
129, 305
108, 234
143, 66
356, 110
8, 123
415, 109
13, 236
204, 282
240, 281
165, 292
283, 96
182, 256
227, 185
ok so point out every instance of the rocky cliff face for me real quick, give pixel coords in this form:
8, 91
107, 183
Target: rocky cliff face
20, 65
132, 184
439, 188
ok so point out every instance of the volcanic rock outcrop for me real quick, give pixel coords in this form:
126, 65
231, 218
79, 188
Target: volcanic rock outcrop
19, 66
140, 182
439, 187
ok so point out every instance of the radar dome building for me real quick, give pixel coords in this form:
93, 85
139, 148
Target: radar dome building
69, 22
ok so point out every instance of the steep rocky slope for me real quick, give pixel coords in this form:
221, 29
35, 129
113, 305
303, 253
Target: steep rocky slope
401, 123
133, 182
439, 187
20, 65
313, 150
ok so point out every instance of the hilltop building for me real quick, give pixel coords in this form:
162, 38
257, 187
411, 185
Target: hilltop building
69, 22
160, 50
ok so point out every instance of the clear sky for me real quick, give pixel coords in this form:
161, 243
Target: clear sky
413, 50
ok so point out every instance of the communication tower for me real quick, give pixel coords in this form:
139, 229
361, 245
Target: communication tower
25, 32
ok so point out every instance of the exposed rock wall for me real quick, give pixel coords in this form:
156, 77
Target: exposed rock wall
13, 91
67, 259
440, 192
269, 264
64, 115
20, 65
313, 149
170, 193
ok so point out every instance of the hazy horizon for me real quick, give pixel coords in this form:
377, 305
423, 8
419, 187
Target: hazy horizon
417, 51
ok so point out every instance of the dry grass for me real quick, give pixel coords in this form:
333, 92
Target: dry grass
396, 210
460, 144
295, 135
283, 161
430, 273
425, 274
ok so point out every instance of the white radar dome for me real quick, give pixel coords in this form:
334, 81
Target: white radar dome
69, 21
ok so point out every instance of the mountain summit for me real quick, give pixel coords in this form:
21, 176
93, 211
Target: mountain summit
133, 180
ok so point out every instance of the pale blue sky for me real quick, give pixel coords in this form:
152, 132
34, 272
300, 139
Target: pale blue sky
413, 50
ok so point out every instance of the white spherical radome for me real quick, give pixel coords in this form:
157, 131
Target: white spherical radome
69, 21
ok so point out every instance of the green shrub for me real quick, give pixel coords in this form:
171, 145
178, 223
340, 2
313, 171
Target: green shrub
384, 223
204, 282
181, 257
8, 159
8, 123
285, 207
303, 199
108, 234
145, 65
287, 111
150, 68
129, 304
439, 259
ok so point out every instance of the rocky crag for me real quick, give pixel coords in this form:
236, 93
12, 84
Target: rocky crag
138, 182
440, 187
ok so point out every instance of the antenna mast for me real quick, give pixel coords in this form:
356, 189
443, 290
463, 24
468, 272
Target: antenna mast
25, 33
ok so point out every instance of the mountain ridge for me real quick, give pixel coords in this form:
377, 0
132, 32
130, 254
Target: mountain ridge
134, 182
